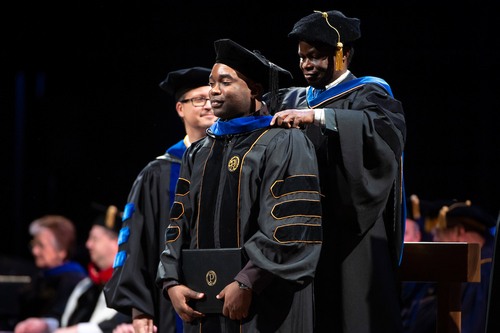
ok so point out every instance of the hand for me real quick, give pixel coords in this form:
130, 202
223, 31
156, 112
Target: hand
124, 328
32, 325
179, 296
293, 118
236, 301
142, 324
69, 329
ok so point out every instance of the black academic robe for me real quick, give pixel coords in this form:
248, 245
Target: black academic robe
48, 293
87, 306
359, 153
258, 191
141, 241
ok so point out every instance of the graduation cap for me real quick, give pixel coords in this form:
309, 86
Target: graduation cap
109, 217
331, 28
471, 216
253, 65
180, 81
462, 213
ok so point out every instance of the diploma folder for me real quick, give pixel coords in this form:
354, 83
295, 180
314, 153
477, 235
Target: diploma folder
209, 271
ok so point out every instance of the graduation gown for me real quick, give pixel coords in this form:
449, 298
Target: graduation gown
359, 154
141, 241
87, 308
48, 294
251, 187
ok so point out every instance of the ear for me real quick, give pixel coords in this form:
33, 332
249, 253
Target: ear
179, 107
256, 90
63, 255
461, 229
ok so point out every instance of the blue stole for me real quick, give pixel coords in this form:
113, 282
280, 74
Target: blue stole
176, 150
239, 125
71, 266
343, 88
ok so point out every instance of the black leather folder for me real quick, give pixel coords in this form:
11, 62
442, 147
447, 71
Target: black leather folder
209, 271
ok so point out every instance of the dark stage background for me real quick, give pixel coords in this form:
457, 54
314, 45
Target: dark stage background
82, 113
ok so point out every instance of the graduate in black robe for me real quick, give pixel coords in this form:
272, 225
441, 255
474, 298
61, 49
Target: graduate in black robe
251, 187
146, 215
358, 129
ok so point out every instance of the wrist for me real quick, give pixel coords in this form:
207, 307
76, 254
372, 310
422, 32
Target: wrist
243, 286
319, 117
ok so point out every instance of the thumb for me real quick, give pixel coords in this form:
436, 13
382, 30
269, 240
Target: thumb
197, 295
221, 294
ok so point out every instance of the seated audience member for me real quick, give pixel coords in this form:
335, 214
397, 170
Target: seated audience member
421, 211
53, 247
411, 290
459, 222
86, 310
412, 231
129, 328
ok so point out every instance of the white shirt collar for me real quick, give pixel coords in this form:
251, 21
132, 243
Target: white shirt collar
338, 80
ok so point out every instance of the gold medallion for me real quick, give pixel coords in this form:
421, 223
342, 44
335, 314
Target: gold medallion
211, 278
233, 164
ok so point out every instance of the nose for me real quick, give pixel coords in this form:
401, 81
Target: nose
208, 105
306, 63
214, 90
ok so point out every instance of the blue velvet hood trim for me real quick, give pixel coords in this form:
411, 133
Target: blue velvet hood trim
71, 266
346, 87
239, 125
178, 149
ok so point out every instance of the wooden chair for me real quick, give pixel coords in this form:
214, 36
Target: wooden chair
449, 264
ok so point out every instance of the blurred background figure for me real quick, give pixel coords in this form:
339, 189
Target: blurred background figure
412, 231
129, 328
410, 290
86, 310
417, 213
457, 222
53, 247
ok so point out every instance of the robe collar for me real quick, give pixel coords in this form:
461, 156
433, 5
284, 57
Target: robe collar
239, 125
343, 88
178, 149
99, 277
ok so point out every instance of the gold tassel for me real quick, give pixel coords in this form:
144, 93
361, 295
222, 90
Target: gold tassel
110, 216
339, 54
440, 221
415, 207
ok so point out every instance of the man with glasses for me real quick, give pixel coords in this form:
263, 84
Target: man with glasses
132, 288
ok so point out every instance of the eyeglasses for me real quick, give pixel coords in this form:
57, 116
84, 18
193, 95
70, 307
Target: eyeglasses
196, 101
